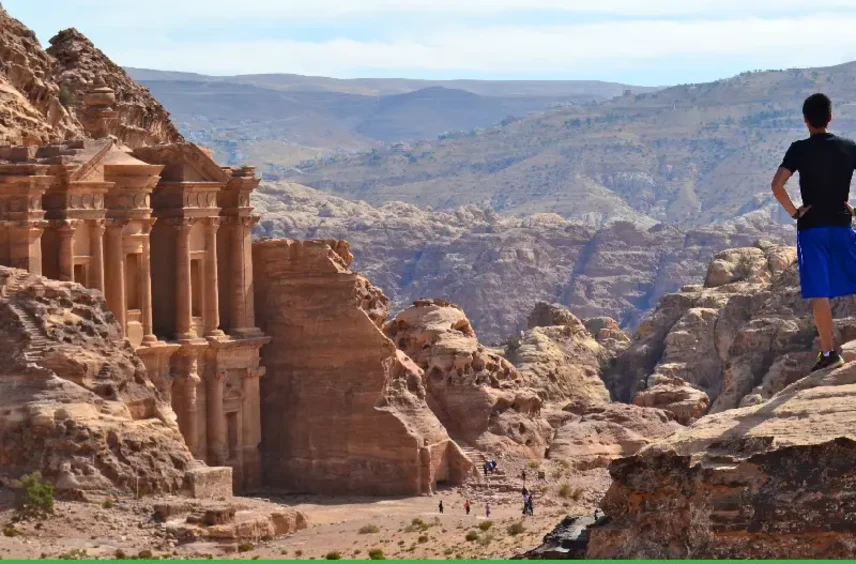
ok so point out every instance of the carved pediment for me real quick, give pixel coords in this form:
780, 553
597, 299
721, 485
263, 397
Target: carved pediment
183, 162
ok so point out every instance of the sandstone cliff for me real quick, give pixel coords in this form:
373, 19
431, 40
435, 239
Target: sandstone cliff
29, 94
81, 66
497, 267
480, 397
561, 360
772, 480
343, 411
738, 339
75, 401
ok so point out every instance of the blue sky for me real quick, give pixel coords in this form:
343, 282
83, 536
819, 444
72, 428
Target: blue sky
646, 42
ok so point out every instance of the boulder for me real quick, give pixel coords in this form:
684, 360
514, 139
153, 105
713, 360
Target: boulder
478, 395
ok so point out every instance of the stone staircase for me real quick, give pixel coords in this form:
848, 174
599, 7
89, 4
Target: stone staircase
38, 338
495, 481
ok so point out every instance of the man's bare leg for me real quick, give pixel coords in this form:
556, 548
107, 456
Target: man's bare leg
823, 321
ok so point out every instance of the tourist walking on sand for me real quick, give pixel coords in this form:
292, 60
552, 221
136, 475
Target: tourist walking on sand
530, 508
523, 475
441, 506
467, 506
826, 242
487, 509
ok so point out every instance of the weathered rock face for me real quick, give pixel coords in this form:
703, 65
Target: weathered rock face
560, 359
497, 267
342, 409
29, 94
479, 396
597, 436
75, 402
674, 395
767, 481
739, 339
141, 120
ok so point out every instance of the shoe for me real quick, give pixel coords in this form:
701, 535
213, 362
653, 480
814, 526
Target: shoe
834, 360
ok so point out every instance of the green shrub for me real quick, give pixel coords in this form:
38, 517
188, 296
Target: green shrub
376, 554
119, 554
267, 538
145, 555
471, 536
298, 553
10, 531
107, 503
534, 464
245, 546
567, 492
422, 539
484, 540
36, 497
516, 529
369, 529
333, 555
485, 525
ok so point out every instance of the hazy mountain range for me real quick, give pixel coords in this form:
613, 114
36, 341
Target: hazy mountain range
278, 120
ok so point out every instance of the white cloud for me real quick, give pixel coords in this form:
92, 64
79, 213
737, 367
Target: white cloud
551, 49
177, 12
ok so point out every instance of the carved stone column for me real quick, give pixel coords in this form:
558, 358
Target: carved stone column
146, 286
65, 228
183, 297
115, 272
242, 315
217, 447
251, 429
25, 245
212, 300
96, 265
238, 314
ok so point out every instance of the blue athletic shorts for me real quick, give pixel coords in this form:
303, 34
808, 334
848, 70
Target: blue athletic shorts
827, 261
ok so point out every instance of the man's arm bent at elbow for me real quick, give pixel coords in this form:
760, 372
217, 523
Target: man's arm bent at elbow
781, 194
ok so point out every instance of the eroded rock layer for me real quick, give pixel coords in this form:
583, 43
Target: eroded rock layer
343, 411
736, 340
560, 359
478, 395
772, 480
31, 109
81, 68
75, 401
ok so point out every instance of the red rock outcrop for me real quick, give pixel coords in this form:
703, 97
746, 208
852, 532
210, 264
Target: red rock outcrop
75, 401
81, 67
772, 480
30, 106
343, 411
740, 338
560, 359
478, 395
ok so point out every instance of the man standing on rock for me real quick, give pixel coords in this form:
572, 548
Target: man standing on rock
826, 242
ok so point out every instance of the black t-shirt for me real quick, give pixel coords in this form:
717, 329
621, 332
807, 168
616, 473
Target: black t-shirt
825, 163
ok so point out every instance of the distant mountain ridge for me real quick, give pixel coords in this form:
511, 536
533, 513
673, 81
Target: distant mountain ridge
278, 120
384, 86
691, 155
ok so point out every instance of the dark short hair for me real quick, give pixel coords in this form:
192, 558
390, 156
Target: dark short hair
817, 110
